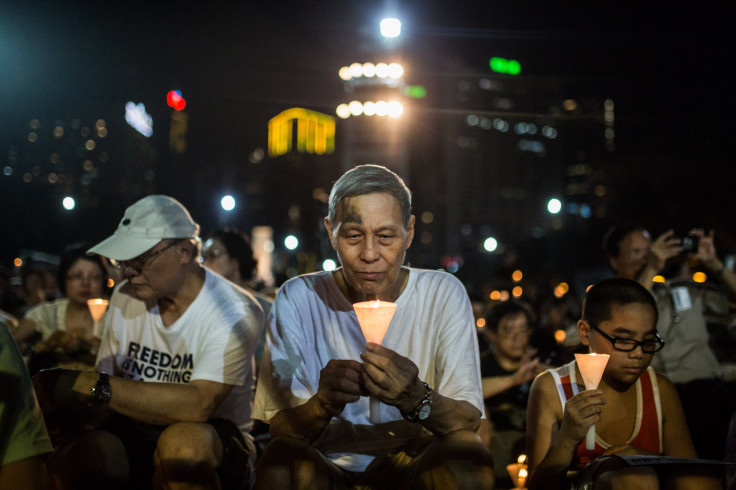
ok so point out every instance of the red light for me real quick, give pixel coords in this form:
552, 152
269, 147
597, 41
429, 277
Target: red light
175, 100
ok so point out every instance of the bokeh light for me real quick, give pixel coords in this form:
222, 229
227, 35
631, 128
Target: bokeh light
68, 203
490, 244
291, 242
227, 202
554, 206
390, 27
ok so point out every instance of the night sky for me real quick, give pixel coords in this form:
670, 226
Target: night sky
240, 63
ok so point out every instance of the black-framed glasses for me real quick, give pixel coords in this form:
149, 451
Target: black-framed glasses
142, 261
648, 346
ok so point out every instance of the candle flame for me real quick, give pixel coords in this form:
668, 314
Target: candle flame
521, 459
523, 473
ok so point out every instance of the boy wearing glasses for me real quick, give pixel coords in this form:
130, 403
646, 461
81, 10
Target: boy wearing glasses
634, 409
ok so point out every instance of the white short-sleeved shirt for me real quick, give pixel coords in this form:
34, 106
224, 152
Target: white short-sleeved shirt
213, 340
312, 322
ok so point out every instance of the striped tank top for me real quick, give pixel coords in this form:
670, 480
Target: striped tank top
647, 433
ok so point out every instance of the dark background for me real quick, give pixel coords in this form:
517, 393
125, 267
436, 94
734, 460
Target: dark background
668, 69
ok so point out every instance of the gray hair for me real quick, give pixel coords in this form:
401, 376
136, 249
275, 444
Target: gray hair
366, 179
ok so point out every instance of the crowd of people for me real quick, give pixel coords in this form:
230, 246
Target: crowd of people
190, 361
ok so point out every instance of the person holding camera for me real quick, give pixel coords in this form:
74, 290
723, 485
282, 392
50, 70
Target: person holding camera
684, 309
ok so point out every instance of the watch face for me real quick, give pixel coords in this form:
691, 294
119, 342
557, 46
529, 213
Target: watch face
424, 411
106, 392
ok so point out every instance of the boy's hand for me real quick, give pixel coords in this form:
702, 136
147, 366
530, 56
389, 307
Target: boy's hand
581, 411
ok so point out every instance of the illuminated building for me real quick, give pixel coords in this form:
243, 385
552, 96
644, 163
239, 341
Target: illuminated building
492, 149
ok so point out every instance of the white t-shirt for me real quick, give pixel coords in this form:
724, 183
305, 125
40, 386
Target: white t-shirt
311, 322
213, 340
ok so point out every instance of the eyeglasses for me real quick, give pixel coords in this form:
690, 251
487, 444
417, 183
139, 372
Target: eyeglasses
212, 253
648, 346
509, 332
79, 277
142, 261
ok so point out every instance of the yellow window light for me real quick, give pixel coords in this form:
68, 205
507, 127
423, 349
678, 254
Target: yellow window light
315, 132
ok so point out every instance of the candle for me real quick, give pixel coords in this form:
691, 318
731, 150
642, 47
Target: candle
97, 307
591, 368
374, 318
521, 480
513, 471
518, 472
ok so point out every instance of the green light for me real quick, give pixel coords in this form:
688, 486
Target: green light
514, 67
498, 65
415, 91
502, 65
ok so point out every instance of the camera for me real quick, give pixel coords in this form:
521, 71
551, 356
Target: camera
690, 244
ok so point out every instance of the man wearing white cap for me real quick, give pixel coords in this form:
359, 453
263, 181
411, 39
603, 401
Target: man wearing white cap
190, 335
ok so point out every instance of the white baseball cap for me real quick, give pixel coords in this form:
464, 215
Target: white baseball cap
146, 223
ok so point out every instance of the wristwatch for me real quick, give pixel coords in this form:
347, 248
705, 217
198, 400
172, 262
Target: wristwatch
421, 411
101, 392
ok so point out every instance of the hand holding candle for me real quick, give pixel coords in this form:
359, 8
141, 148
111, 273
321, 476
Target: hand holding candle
374, 318
591, 367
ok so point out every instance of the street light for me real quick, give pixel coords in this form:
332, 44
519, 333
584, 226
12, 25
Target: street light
68, 203
390, 27
227, 202
490, 244
291, 242
554, 206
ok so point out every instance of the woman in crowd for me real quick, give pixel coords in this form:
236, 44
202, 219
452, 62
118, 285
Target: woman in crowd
62, 332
